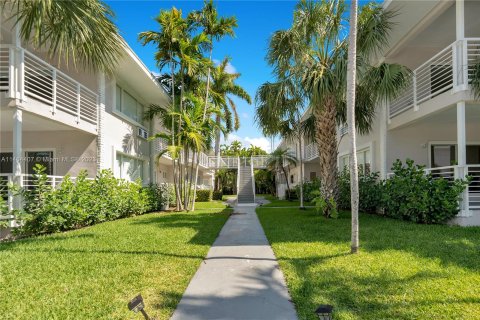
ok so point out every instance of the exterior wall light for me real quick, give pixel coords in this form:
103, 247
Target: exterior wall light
136, 305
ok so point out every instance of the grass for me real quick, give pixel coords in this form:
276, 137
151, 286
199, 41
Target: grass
274, 202
92, 273
404, 271
214, 204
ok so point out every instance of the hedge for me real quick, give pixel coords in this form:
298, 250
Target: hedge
204, 196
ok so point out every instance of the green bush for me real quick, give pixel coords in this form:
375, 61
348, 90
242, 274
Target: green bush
83, 202
217, 195
204, 196
369, 189
411, 195
309, 190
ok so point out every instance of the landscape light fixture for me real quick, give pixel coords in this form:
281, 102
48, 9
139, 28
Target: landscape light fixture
324, 312
136, 305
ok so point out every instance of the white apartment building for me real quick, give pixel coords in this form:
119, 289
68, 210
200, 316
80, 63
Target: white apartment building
436, 121
70, 119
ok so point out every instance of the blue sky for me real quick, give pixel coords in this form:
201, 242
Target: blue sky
257, 20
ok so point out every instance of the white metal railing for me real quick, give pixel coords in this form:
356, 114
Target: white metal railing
448, 172
474, 187
223, 162
260, 161
38, 80
449, 69
343, 129
311, 151
4, 68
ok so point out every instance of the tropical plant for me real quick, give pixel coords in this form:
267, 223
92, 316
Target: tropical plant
74, 31
278, 160
278, 112
314, 50
214, 28
351, 84
222, 88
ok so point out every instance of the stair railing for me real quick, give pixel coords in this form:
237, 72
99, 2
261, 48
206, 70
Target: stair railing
253, 179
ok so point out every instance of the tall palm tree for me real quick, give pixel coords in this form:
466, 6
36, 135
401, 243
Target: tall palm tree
278, 111
215, 28
276, 163
76, 31
314, 49
222, 88
351, 80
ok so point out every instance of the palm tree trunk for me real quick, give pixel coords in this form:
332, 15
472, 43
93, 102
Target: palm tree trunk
286, 180
191, 179
217, 146
351, 79
302, 206
195, 183
185, 178
326, 138
208, 84
175, 180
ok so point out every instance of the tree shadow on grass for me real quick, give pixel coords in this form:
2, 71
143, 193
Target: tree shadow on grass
205, 224
452, 245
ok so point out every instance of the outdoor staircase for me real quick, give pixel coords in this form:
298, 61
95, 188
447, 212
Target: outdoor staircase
245, 193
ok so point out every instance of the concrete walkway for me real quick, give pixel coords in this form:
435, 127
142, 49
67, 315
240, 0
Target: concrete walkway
240, 278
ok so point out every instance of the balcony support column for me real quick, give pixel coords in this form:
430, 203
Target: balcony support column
101, 151
383, 140
459, 54
462, 156
17, 154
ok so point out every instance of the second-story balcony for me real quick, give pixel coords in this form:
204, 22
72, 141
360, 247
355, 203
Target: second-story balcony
45, 90
450, 70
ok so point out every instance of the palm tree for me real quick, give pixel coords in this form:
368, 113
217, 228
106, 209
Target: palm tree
76, 31
351, 80
276, 163
172, 28
315, 51
215, 28
278, 111
222, 88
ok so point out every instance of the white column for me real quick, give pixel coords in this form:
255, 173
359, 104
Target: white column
100, 119
17, 152
383, 141
459, 53
460, 19
462, 155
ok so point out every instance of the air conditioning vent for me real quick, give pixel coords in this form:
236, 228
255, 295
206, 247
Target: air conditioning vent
142, 133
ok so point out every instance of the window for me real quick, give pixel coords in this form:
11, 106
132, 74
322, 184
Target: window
6, 162
313, 175
129, 168
364, 161
444, 155
292, 178
129, 106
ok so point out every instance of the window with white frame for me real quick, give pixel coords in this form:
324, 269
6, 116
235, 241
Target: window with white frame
129, 168
364, 161
127, 105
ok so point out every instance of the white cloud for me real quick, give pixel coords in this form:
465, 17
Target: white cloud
230, 68
245, 115
261, 142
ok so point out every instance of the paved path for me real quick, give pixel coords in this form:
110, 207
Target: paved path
240, 278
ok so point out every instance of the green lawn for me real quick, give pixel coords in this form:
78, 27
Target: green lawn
274, 202
214, 204
92, 273
404, 271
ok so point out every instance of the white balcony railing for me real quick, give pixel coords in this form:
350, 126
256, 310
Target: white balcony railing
451, 68
42, 82
311, 151
260, 161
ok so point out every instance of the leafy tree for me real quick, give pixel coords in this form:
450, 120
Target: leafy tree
277, 161
84, 34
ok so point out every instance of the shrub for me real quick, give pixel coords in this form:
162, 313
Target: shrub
217, 195
204, 196
411, 195
309, 190
75, 204
369, 189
